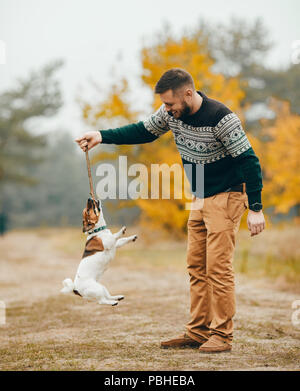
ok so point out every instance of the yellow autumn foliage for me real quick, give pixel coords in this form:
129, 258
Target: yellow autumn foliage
280, 158
191, 54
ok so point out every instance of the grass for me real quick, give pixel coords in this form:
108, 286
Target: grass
49, 331
275, 254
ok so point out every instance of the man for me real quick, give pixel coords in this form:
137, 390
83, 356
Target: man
205, 132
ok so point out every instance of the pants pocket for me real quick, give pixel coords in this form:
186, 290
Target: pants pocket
215, 213
236, 206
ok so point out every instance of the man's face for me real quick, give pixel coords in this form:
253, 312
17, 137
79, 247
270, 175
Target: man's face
177, 104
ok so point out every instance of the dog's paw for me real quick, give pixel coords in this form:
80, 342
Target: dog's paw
121, 297
134, 238
123, 230
116, 303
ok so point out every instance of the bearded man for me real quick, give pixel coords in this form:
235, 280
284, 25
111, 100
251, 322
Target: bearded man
206, 133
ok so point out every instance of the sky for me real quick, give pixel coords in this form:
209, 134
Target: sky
100, 41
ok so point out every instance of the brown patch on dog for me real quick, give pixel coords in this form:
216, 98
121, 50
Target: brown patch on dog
93, 246
86, 223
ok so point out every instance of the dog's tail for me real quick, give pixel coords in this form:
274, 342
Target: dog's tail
68, 286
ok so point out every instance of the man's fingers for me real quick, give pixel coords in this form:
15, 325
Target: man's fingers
85, 137
79, 139
253, 230
83, 145
256, 223
89, 140
257, 228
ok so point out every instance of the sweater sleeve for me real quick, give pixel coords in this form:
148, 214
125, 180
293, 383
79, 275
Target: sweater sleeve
251, 170
129, 134
140, 133
230, 132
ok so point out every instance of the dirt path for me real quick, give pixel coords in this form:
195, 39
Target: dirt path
45, 330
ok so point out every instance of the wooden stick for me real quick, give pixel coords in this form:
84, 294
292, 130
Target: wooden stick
89, 174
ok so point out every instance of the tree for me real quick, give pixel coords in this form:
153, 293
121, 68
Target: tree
20, 150
278, 149
281, 84
39, 95
237, 46
60, 191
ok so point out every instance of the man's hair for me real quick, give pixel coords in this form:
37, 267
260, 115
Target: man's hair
174, 79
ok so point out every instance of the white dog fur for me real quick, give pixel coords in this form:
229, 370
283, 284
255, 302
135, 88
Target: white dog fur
92, 267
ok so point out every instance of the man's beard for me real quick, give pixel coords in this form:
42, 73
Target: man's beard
186, 110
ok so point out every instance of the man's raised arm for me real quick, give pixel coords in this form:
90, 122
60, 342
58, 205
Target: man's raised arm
139, 133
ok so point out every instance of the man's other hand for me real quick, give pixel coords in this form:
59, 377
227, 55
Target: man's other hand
256, 222
89, 139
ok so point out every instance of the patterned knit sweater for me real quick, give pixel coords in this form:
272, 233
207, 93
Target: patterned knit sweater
213, 137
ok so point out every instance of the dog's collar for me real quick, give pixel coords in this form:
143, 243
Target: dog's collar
98, 229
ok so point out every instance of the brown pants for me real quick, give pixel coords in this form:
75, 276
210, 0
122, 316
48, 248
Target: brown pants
212, 227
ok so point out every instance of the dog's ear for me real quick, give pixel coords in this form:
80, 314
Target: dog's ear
95, 244
85, 224
89, 203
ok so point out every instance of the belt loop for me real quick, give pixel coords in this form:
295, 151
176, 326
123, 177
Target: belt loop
244, 187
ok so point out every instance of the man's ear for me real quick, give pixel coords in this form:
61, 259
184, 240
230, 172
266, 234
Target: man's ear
189, 92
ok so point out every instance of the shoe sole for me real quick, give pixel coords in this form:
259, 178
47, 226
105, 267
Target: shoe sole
215, 351
185, 346
181, 347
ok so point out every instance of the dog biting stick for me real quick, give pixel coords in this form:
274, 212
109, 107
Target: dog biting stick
100, 249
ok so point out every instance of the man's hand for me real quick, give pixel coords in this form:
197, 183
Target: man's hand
89, 139
256, 222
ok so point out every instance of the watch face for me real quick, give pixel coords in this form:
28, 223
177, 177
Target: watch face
256, 207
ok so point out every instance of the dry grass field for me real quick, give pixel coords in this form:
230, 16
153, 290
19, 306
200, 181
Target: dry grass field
46, 330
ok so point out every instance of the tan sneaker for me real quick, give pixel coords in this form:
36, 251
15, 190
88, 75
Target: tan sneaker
182, 341
215, 344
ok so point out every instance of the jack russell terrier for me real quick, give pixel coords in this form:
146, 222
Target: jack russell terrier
100, 249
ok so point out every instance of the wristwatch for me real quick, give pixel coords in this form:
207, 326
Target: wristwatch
256, 207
